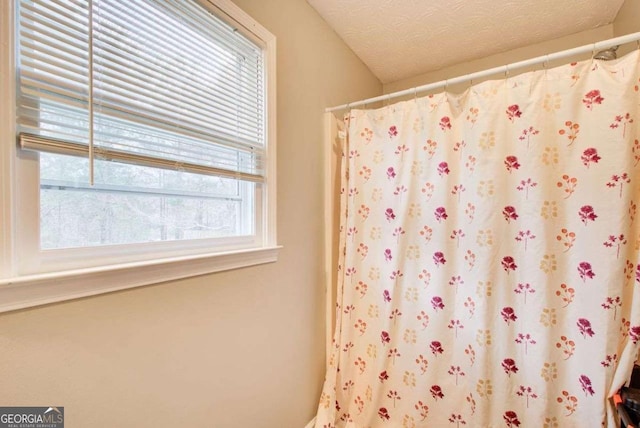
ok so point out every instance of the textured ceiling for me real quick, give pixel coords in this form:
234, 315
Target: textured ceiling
397, 39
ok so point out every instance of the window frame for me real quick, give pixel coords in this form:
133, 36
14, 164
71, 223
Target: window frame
120, 267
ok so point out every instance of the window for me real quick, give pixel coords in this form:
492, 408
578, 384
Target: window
145, 135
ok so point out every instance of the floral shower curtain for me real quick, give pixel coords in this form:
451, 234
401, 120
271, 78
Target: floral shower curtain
489, 270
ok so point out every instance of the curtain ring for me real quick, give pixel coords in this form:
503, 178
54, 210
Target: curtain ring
446, 85
347, 113
593, 59
415, 93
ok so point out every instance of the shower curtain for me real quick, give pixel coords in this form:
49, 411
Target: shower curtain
489, 243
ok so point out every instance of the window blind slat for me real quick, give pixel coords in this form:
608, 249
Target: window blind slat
58, 40
42, 13
62, 73
144, 63
171, 85
36, 83
234, 143
204, 57
184, 148
182, 89
162, 101
71, 9
37, 143
208, 31
109, 57
140, 136
197, 18
181, 150
170, 116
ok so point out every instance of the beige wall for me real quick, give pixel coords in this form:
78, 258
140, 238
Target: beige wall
238, 349
628, 19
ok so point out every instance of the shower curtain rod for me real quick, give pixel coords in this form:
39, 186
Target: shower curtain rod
594, 47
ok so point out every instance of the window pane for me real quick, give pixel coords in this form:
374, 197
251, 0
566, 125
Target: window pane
134, 204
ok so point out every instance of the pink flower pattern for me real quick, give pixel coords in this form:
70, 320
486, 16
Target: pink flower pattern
511, 163
436, 392
445, 123
440, 213
590, 156
509, 264
438, 258
585, 271
508, 314
511, 419
509, 366
443, 169
509, 213
634, 334
436, 348
513, 112
619, 181
492, 276
585, 383
584, 325
592, 98
587, 214
437, 303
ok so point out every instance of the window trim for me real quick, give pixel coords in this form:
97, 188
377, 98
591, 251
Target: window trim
22, 291
35, 290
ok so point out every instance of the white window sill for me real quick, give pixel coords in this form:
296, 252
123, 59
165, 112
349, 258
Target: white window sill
35, 290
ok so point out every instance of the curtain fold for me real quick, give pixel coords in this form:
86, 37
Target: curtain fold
489, 271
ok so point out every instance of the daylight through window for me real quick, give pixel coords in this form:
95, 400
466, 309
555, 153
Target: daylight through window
149, 120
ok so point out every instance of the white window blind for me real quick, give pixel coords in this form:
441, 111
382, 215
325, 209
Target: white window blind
160, 83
